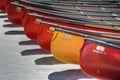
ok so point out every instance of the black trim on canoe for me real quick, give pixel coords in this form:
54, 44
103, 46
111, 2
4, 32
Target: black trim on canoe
64, 9
67, 16
107, 15
52, 6
69, 21
98, 33
115, 41
95, 34
114, 16
92, 32
87, 38
77, 1
85, 4
65, 4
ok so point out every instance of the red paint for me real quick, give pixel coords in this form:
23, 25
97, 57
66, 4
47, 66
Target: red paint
100, 61
31, 28
44, 37
16, 14
4, 4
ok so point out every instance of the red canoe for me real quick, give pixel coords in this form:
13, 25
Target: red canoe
100, 61
16, 13
4, 4
16, 10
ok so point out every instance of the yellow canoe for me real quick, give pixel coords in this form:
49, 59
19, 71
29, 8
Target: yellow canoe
66, 47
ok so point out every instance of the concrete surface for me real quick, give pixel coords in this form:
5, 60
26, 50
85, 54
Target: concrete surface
22, 59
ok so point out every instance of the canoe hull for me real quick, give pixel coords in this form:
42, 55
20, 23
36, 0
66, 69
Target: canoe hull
65, 47
100, 61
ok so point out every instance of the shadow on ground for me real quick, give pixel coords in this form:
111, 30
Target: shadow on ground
47, 61
74, 74
2, 12
33, 52
3, 16
28, 42
10, 26
15, 32
6, 20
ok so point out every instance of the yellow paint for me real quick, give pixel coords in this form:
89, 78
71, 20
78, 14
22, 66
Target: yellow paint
66, 47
